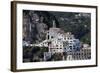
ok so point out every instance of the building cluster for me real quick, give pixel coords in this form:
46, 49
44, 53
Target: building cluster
58, 41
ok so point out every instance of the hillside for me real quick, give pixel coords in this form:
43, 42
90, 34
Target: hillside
78, 24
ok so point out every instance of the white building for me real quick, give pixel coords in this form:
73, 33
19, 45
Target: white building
59, 41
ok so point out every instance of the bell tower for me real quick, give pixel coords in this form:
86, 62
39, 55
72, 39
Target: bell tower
54, 24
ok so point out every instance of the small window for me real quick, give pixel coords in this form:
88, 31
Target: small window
74, 40
56, 45
54, 50
71, 41
51, 36
73, 46
70, 47
59, 39
70, 37
48, 36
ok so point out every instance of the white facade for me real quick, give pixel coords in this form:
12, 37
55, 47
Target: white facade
61, 41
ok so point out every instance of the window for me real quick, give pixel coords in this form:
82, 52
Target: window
74, 47
74, 40
48, 36
70, 37
54, 50
56, 45
52, 37
59, 39
71, 41
70, 47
